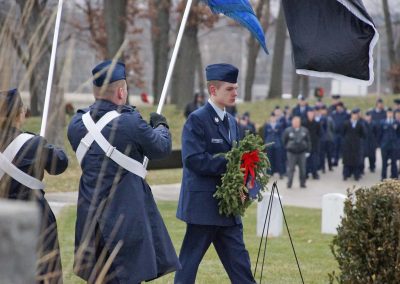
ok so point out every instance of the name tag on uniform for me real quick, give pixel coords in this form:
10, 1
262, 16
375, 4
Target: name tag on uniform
216, 141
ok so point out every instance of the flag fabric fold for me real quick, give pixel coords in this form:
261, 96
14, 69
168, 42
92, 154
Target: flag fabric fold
332, 39
242, 12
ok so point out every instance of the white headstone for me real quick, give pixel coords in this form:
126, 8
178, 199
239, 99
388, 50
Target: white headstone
276, 220
332, 212
19, 230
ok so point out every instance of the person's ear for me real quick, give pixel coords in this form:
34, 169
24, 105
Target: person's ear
120, 93
212, 90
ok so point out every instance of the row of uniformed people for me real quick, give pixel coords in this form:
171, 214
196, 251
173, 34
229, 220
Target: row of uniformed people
120, 236
327, 131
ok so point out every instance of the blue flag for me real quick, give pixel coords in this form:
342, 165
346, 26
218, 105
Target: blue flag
242, 12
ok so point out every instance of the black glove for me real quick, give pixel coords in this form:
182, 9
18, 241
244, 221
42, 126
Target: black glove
157, 119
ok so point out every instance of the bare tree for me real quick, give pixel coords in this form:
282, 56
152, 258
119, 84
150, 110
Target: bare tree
115, 21
28, 35
393, 50
253, 47
295, 83
189, 53
275, 87
159, 11
105, 29
184, 74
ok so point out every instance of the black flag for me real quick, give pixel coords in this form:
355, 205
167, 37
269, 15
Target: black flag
332, 38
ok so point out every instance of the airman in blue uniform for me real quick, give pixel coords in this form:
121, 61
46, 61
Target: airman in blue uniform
31, 158
117, 218
339, 116
388, 134
208, 131
276, 152
301, 108
378, 113
397, 106
370, 143
327, 138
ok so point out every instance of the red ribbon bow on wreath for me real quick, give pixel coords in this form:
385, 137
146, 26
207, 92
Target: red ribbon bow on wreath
249, 163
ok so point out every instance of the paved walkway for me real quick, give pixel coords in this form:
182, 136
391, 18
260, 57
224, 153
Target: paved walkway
310, 197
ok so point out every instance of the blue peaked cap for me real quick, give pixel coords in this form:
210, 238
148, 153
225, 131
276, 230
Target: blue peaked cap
222, 72
101, 70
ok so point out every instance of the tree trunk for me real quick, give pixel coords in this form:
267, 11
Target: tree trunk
183, 80
37, 63
56, 118
275, 89
200, 70
37, 66
160, 43
115, 21
295, 83
305, 88
253, 48
393, 58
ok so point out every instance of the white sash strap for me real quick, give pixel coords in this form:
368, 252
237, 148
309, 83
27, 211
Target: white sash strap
7, 167
87, 141
94, 130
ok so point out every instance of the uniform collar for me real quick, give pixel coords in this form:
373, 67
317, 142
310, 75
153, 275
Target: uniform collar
221, 113
106, 105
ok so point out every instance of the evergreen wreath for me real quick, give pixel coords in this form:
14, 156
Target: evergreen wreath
247, 168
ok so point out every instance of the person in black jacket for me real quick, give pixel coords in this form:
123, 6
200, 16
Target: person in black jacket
198, 101
353, 133
296, 140
314, 129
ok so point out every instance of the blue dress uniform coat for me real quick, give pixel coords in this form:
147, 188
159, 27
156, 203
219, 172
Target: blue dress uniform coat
204, 136
116, 207
370, 143
275, 152
35, 157
339, 118
388, 138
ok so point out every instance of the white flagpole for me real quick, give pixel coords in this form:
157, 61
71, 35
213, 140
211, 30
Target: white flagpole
172, 63
51, 70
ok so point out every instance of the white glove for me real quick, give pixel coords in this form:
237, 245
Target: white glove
307, 155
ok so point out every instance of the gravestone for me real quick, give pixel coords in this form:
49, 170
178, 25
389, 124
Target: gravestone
332, 212
19, 227
276, 219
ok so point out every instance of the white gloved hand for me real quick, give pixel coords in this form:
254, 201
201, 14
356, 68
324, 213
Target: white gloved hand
307, 155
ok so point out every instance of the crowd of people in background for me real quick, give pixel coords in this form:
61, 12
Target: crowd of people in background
316, 138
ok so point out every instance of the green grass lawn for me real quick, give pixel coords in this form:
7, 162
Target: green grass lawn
312, 248
259, 110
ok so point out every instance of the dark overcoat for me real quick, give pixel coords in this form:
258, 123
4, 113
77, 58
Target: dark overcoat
116, 210
352, 144
35, 157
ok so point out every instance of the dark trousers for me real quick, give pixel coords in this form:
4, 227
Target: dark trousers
228, 242
294, 159
326, 152
276, 157
313, 163
338, 149
352, 170
371, 159
389, 154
